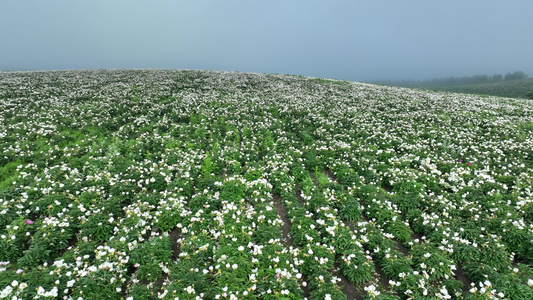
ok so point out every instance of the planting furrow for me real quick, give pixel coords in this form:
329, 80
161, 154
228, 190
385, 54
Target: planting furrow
282, 214
317, 257
174, 236
349, 289
287, 238
356, 265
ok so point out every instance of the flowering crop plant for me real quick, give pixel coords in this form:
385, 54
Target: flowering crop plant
182, 184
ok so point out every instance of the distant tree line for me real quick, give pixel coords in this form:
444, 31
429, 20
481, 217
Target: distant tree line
515, 75
462, 80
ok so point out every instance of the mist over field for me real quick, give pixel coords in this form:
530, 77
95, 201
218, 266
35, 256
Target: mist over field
350, 40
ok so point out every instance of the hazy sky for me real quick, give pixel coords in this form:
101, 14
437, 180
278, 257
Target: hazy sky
360, 40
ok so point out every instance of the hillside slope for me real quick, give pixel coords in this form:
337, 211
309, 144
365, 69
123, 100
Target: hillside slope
146, 184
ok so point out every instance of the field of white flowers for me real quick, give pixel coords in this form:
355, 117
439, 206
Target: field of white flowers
174, 184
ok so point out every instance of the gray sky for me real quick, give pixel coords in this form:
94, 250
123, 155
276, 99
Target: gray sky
359, 40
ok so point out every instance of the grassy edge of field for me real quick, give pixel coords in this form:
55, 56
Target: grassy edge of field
520, 88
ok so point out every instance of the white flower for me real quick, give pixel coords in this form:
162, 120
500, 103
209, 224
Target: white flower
53, 292
6, 291
371, 289
40, 291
